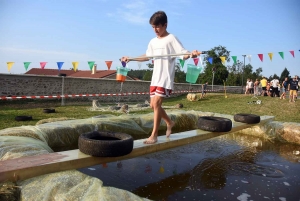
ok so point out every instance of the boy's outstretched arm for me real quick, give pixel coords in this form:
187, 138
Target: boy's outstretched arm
126, 58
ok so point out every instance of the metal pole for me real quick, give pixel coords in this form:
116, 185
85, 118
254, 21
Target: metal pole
243, 73
62, 91
212, 87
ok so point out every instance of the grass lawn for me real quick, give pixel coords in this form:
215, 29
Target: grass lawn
282, 110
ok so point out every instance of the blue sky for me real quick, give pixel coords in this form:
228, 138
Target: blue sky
99, 30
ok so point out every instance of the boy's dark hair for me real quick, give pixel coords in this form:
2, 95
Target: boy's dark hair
158, 18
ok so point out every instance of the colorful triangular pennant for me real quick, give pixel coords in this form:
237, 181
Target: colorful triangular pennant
261, 57
108, 64
196, 60
26, 65
59, 65
234, 59
270, 55
91, 64
9, 65
43, 64
75, 65
281, 54
292, 52
181, 62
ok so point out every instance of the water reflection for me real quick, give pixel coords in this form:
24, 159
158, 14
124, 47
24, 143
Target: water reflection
225, 167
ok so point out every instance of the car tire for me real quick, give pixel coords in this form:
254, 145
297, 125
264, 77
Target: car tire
49, 110
105, 144
23, 118
247, 118
214, 124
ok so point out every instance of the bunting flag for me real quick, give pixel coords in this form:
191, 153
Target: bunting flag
281, 54
9, 65
123, 63
139, 65
270, 55
261, 57
75, 65
91, 64
234, 59
152, 61
43, 64
181, 62
108, 64
210, 60
59, 65
196, 60
26, 65
249, 58
292, 52
223, 59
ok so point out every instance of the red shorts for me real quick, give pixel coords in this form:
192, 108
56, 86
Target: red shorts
160, 91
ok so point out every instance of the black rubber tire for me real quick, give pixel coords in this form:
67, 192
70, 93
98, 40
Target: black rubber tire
62, 74
105, 143
23, 118
214, 124
49, 110
247, 118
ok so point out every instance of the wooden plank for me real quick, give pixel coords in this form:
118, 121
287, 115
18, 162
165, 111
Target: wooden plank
31, 166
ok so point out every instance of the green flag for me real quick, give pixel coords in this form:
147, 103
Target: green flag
234, 59
91, 64
26, 65
281, 54
181, 62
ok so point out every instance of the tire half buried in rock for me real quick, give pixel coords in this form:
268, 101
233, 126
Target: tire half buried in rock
247, 118
23, 118
49, 110
105, 143
214, 124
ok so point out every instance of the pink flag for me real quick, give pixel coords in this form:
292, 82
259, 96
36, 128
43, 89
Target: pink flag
292, 52
43, 64
196, 61
261, 56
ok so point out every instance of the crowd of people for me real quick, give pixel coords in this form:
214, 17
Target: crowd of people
274, 88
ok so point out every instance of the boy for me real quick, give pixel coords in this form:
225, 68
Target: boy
163, 72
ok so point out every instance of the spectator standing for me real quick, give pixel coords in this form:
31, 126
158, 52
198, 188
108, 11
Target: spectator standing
292, 87
263, 82
284, 88
274, 84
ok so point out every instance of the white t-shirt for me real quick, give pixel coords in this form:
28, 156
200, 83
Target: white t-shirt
164, 67
274, 83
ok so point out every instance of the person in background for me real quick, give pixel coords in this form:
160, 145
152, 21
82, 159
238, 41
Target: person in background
251, 86
247, 86
292, 87
274, 84
263, 82
284, 88
204, 87
297, 79
268, 89
256, 85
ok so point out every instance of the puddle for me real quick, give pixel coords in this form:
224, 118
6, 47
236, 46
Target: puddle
230, 167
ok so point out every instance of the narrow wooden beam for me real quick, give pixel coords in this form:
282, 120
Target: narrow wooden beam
31, 166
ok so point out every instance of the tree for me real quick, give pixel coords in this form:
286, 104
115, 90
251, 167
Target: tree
285, 73
179, 74
221, 72
148, 75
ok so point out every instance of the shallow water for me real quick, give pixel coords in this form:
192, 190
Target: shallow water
230, 167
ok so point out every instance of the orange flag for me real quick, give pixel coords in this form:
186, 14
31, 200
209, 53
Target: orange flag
108, 64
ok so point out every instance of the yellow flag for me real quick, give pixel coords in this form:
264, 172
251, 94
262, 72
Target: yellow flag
223, 59
9, 65
270, 55
75, 65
